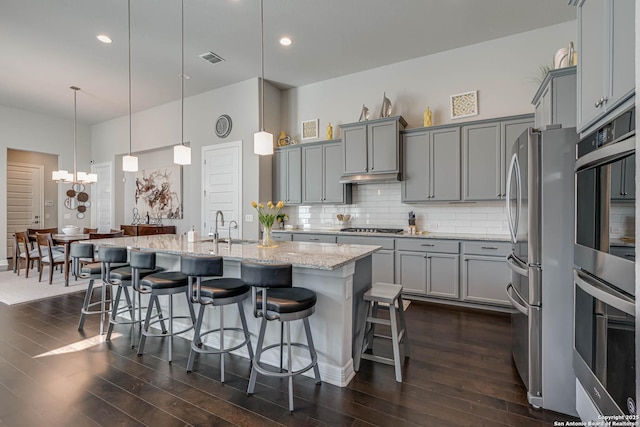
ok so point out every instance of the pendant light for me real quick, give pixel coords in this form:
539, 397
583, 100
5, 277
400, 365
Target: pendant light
129, 162
63, 176
262, 141
182, 153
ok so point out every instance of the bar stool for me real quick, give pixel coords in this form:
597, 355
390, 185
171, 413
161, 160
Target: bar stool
278, 300
389, 294
141, 264
110, 257
216, 293
164, 283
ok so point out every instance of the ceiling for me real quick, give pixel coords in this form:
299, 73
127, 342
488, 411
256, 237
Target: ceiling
48, 45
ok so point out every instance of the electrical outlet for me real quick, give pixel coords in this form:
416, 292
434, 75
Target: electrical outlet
248, 218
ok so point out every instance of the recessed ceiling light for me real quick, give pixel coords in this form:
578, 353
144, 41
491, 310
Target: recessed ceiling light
104, 38
285, 41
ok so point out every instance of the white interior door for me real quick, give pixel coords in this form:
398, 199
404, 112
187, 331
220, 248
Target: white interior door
102, 205
25, 199
222, 187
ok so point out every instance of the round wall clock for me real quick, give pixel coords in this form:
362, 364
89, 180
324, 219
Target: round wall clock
223, 126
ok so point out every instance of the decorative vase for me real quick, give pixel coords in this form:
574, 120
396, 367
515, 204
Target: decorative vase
267, 241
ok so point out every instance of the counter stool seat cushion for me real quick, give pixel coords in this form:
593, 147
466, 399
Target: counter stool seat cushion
96, 268
226, 287
165, 280
124, 273
288, 300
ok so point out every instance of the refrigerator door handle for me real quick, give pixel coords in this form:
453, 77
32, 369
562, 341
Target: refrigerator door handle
517, 266
513, 226
516, 300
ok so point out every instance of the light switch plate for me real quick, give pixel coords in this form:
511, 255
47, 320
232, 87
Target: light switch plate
248, 218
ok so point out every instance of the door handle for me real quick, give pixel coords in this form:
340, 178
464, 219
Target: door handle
517, 266
512, 294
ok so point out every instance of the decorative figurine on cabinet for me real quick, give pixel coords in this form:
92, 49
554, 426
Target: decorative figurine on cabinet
329, 131
364, 115
385, 110
428, 120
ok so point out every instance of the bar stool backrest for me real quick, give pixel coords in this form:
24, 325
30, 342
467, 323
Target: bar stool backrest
112, 254
81, 250
142, 259
201, 266
266, 275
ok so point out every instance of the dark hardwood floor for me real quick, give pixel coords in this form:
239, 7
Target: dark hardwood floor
460, 374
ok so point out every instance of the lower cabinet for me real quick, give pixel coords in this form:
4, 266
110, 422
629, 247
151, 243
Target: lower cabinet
383, 260
281, 237
485, 272
428, 273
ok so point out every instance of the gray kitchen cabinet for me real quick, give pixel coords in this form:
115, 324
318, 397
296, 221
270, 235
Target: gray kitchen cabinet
623, 179
430, 268
316, 238
282, 237
555, 100
485, 272
383, 260
606, 60
484, 147
431, 160
321, 171
287, 175
373, 146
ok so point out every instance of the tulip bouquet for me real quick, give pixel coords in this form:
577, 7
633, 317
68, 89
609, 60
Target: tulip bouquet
267, 216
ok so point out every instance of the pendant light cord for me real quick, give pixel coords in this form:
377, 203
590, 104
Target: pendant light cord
182, 81
129, 35
262, 64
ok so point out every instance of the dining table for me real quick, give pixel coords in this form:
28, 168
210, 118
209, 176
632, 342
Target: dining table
66, 240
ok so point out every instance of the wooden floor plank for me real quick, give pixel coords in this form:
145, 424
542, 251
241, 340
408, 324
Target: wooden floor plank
460, 374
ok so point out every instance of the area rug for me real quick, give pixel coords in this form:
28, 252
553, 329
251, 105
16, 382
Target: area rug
16, 289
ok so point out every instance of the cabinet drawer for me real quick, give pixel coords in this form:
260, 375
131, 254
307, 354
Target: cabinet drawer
429, 245
281, 237
318, 238
386, 243
500, 249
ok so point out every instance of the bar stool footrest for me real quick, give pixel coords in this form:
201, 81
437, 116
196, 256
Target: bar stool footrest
285, 374
166, 333
197, 349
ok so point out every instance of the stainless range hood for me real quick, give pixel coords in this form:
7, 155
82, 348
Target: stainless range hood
378, 178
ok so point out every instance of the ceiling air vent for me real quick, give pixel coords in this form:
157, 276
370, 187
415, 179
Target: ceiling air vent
211, 57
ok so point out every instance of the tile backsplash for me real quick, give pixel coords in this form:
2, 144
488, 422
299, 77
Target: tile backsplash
379, 205
622, 220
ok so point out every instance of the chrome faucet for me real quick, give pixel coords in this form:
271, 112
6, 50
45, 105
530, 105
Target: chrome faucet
232, 225
215, 232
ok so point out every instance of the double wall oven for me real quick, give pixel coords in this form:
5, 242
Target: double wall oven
604, 261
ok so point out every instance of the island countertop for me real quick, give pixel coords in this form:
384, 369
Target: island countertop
321, 256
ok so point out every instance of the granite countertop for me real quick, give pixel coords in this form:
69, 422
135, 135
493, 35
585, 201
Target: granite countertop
444, 236
320, 256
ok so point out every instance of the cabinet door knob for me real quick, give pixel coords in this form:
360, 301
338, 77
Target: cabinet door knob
600, 102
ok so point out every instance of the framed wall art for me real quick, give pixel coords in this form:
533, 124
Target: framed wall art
310, 129
464, 104
159, 192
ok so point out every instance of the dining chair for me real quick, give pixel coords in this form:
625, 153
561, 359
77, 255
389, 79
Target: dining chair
23, 251
48, 256
86, 230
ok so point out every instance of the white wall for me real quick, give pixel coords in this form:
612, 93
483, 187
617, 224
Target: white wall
501, 70
23, 130
156, 130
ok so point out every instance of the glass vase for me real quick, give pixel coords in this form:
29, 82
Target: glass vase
267, 241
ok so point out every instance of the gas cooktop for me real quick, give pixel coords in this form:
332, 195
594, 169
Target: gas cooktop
373, 230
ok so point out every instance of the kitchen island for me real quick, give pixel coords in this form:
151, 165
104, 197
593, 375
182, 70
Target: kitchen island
338, 273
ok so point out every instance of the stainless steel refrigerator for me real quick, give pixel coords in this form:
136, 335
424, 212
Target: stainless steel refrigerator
540, 189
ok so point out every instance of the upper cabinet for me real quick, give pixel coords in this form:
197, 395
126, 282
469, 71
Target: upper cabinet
484, 147
287, 172
373, 146
431, 165
606, 59
321, 171
555, 100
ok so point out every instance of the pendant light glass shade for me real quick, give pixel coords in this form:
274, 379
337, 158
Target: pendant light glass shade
129, 162
262, 140
182, 153
262, 143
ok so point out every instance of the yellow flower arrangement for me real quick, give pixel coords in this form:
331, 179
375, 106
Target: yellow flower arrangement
267, 215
